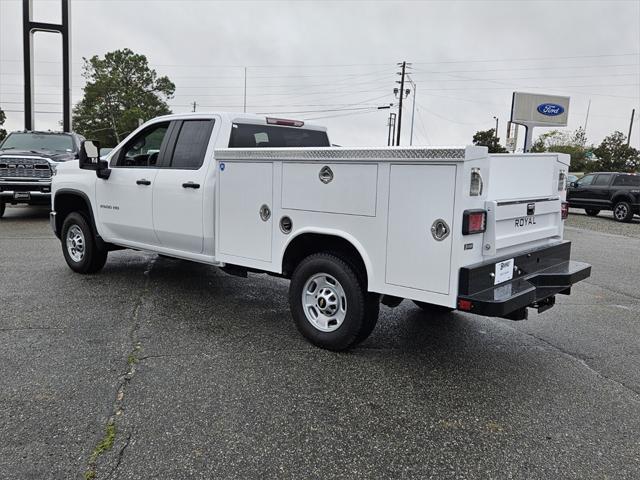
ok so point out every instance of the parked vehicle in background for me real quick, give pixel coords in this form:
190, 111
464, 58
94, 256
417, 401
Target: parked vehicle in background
572, 178
350, 227
104, 153
618, 192
28, 159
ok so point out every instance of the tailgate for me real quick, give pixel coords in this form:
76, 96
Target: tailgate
523, 201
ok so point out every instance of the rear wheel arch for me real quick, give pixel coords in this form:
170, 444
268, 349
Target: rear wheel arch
621, 197
308, 243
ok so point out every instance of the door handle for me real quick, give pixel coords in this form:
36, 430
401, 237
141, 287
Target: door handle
143, 181
190, 185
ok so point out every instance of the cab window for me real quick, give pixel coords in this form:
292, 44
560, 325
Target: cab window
602, 180
586, 180
143, 150
191, 144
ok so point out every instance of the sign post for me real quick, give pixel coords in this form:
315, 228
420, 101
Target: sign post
538, 110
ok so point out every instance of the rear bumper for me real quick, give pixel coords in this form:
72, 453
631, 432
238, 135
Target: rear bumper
539, 275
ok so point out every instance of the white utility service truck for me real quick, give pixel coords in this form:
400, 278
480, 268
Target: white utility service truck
449, 228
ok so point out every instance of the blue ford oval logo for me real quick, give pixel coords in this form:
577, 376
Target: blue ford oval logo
550, 109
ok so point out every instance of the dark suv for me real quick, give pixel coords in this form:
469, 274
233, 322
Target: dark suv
27, 162
619, 192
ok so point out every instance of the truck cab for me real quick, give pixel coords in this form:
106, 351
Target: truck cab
446, 227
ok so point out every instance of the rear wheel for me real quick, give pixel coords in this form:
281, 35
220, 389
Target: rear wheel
329, 303
79, 245
592, 212
622, 212
2, 208
431, 308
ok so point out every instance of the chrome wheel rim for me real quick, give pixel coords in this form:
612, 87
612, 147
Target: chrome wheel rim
621, 211
324, 302
75, 243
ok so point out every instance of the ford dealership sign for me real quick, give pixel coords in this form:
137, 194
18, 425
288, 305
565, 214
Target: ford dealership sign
550, 109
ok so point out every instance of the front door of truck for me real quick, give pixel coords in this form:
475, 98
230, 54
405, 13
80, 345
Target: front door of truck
124, 200
179, 189
580, 194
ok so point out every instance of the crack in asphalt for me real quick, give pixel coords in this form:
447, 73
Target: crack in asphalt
132, 360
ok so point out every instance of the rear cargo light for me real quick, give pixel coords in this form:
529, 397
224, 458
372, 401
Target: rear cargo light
464, 305
475, 188
284, 122
564, 210
562, 181
474, 221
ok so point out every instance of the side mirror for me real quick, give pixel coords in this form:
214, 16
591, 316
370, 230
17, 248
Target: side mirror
573, 184
89, 155
89, 159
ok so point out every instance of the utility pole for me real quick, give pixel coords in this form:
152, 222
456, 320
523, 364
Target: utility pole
496, 131
402, 74
413, 109
245, 90
194, 106
586, 118
633, 113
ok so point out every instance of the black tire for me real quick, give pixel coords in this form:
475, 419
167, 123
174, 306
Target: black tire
431, 308
361, 308
91, 259
2, 209
592, 212
622, 212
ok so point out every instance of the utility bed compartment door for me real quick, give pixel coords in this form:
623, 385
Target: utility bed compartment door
245, 187
419, 195
347, 188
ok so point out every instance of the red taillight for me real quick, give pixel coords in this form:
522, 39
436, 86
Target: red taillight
284, 122
564, 210
465, 305
474, 221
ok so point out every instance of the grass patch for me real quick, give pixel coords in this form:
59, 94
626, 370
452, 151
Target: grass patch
105, 444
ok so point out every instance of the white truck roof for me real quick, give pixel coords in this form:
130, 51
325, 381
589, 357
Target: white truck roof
237, 117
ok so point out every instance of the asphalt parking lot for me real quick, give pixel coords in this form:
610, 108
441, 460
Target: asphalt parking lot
159, 368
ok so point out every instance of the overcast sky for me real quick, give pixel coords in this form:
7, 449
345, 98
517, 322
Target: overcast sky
335, 61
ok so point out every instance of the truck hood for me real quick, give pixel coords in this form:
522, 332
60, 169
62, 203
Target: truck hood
53, 156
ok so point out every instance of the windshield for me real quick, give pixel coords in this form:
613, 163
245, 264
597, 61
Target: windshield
51, 142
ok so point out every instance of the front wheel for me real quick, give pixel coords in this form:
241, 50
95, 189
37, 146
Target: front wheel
79, 245
592, 212
622, 212
329, 303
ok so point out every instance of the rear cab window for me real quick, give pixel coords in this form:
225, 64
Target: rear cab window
244, 135
191, 144
602, 179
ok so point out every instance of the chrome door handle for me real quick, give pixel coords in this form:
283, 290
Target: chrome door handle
143, 181
190, 185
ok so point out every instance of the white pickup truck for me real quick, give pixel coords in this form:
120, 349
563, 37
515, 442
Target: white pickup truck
449, 228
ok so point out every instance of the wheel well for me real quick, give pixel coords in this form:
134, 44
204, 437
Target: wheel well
621, 197
66, 203
310, 243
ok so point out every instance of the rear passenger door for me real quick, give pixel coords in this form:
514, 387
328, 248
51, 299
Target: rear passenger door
179, 188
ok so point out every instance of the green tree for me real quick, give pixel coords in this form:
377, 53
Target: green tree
3, 132
572, 143
120, 90
613, 154
487, 138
